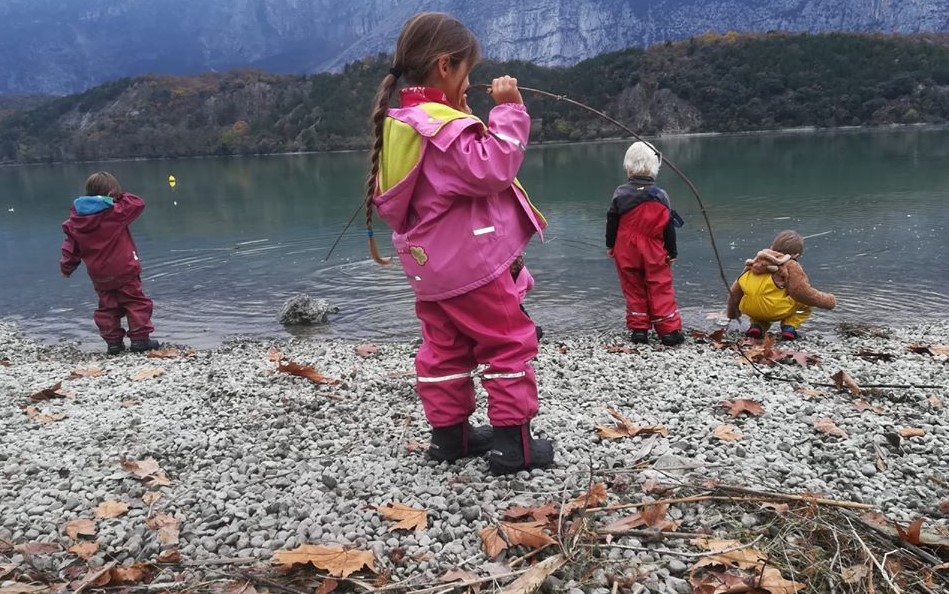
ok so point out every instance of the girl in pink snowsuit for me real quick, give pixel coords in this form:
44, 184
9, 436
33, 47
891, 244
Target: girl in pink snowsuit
445, 183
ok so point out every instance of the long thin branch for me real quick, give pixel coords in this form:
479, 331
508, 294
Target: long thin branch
879, 566
678, 553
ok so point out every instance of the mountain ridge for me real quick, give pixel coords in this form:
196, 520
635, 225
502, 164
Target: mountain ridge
52, 47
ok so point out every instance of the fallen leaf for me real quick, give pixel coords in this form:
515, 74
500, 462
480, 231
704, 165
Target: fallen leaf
169, 556
305, 371
529, 534
167, 354
147, 470
771, 580
5, 362
18, 588
336, 560
627, 428
932, 350
85, 372
146, 373
541, 514
654, 514
944, 506
84, 550
731, 553
810, 392
743, 405
94, 577
727, 432
828, 426
624, 525
934, 401
594, 497
778, 508
871, 356
49, 393
492, 541
911, 533
863, 405
41, 417
138, 572
167, 527
912, 432
408, 518
854, 574
130, 403
457, 575
844, 381
326, 586
81, 526
111, 509
801, 358
613, 348
151, 497
37, 548
7, 569
367, 349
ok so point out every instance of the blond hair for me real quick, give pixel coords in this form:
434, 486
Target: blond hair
103, 183
424, 39
641, 158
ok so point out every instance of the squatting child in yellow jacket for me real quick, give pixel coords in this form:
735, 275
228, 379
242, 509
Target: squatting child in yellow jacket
774, 288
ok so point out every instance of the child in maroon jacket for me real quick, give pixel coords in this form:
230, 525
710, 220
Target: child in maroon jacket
97, 233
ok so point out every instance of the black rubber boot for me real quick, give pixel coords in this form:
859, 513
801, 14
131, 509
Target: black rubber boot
639, 336
114, 348
514, 449
459, 441
672, 339
140, 346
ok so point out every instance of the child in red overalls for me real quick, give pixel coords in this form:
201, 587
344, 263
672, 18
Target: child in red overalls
97, 233
641, 238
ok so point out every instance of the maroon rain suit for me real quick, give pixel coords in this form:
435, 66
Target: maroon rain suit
640, 229
102, 240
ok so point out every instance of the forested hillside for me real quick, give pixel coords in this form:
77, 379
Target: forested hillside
714, 83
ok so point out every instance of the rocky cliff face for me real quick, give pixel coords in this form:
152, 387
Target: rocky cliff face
56, 47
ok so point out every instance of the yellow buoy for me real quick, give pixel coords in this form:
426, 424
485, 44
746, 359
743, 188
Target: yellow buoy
172, 181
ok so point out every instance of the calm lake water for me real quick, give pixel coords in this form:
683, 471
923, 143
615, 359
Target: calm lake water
238, 236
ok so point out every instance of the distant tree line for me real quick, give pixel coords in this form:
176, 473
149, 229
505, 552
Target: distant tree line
712, 83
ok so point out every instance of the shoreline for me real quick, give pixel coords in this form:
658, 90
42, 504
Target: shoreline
258, 461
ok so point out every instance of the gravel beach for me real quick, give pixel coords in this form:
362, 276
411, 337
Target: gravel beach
249, 460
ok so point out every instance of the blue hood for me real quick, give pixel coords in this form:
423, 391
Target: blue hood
87, 205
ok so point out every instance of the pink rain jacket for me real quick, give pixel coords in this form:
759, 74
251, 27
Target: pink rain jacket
447, 189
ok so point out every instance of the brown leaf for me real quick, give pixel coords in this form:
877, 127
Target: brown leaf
872, 356
336, 560
147, 470
932, 350
854, 574
85, 372
912, 432
844, 381
169, 556
457, 575
169, 354
492, 541
41, 417
305, 371
771, 580
84, 550
727, 432
167, 527
136, 573
49, 393
743, 405
4, 362
810, 392
828, 426
37, 548
94, 577
130, 403
111, 509
944, 506
529, 534
613, 348
624, 525
81, 526
863, 405
408, 518
729, 553
627, 428
146, 373
911, 533
594, 497
6, 569
366, 349
778, 508
801, 358
654, 514
326, 586
18, 588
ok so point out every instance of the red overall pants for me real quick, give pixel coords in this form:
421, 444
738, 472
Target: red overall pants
485, 325
130, 301
644, 273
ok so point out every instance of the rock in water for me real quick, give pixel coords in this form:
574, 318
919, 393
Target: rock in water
303, 309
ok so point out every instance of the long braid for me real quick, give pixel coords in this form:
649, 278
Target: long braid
377, 121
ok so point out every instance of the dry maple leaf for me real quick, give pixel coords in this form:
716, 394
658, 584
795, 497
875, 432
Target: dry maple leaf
168, 354
138, 572
541, 514
81, 526
167, 527
492, 541
336, 560
54, 391
151, 497
169, 556
863, 405
828, 426
912, 432
594, 497
911, 533
845, 382
20, 588
326, 586
130, 403
37, 548
529, 534
146, 373
305, 371
743, 405
84, 550
408, 518
111, 509
854, 574
457, 575
730, 553
613, 348
41, 417
627, 428
147, 470
85, 372
367, 349
727, 432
